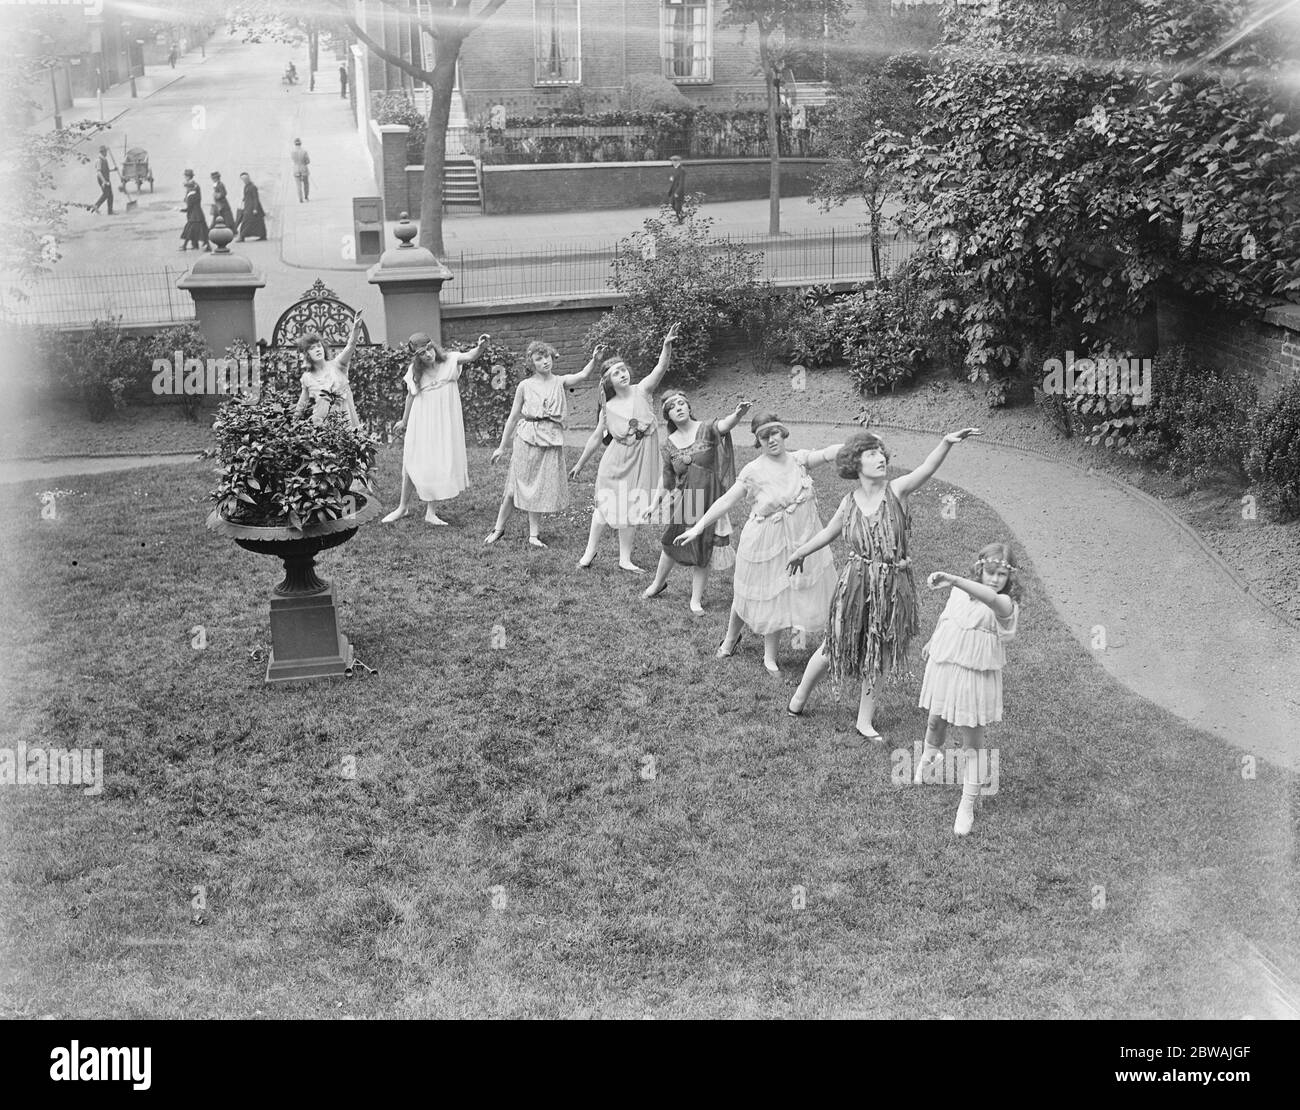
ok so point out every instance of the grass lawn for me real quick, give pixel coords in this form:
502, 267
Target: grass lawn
499, 852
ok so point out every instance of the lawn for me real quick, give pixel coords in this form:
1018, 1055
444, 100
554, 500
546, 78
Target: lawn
504, 848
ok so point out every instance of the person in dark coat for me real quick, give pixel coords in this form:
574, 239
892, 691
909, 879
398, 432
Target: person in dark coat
195, 231
677, 187
343, 81
252, 218
221, 202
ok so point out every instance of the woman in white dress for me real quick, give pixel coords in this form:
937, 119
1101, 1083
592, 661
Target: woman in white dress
764, 594
325, 388
434, 467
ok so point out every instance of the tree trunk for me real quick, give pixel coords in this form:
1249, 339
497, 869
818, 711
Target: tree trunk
773, 148
435, 143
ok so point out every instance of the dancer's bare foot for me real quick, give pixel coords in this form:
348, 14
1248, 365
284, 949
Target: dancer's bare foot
535, 541
697, 608
493, 536
651, 591
396, 514
630, 567
430, 517
587, 560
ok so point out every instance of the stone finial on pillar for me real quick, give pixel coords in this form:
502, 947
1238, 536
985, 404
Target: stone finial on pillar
410, 279
223, 285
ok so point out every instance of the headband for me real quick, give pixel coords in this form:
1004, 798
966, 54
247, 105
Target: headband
770, 424
987, 562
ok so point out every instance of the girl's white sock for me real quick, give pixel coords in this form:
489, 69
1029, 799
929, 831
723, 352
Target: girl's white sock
970, 790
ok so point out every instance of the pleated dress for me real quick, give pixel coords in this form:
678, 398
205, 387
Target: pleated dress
765, 595
873, 614
629, 471
963, 676
433, 453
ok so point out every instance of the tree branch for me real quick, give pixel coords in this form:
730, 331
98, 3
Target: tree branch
409, 14
387, 55
485, 13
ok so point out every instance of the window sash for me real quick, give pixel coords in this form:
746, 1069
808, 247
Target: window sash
557, 42
687, 40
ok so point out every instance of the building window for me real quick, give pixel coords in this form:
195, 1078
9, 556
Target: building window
688, 40
557, 43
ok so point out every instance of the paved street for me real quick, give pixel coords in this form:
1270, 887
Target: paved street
231, 112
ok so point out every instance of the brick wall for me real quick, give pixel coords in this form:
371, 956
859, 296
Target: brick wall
561, 323
387, 143
1266, 349
582, 186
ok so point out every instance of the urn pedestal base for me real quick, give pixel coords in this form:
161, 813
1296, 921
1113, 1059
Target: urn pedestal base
305, 639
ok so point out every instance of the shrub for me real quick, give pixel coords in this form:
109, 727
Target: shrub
686, 278
189, 341
652, 92
1195, 423
399, 108
487, 390
101, 367
280, 470
1272, 459
766, 319
812, 335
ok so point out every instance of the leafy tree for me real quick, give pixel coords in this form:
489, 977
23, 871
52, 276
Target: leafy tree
872, 120
788, 32
1079, 156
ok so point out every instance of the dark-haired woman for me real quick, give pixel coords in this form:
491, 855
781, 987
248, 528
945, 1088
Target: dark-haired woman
873, 614
699, 467
325, 388
764, 595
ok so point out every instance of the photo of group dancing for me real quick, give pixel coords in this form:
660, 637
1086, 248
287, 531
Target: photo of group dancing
785, 579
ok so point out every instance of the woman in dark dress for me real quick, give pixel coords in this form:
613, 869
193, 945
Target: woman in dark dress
699, 467
252, 218
195, 231
221, 202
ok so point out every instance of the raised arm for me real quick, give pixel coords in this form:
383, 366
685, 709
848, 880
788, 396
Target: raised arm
470, 356
1001, 604
909, 483
656, 375
345, 355
820, 540
733, 418
583, 374
512, 421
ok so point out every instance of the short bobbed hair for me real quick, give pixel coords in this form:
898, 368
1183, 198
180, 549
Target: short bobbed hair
541, 347
761, 418
849, 460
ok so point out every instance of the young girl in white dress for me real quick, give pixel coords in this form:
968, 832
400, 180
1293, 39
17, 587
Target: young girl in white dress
325, 388
964, 660
765, 596
629, 470
537, 482
433, 453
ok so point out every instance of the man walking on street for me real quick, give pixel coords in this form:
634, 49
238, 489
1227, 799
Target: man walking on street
343, 81
301, 160
105, 181
677, 186
171, 56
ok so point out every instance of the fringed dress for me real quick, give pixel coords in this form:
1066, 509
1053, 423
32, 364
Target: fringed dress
963, 676
537, 480
873, 614
697, 476
765, 595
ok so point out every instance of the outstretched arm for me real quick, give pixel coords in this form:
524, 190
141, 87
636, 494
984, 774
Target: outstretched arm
909, 483
583, 374
470, 356
512, 421
656, 375
592, 443
733, 418
720, 506
825, 455
820, 540
1001, 604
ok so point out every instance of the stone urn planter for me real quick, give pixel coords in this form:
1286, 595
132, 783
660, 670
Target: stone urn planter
305, 639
